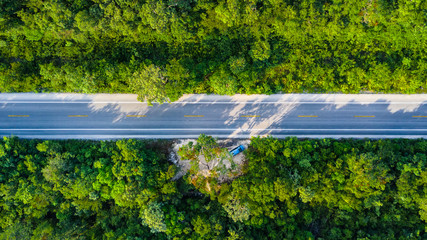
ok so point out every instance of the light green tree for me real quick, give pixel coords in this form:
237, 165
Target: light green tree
154, 218
149, 84
237, 64
223, 82
237, 210
260, 51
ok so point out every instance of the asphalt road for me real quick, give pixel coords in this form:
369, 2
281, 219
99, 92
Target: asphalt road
103, 116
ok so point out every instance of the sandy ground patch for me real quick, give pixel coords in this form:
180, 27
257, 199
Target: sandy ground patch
184, 165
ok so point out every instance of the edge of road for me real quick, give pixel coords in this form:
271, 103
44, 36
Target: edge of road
205, 98
112, 137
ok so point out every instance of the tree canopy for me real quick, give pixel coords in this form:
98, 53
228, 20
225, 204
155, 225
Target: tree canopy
163, 49
288, 189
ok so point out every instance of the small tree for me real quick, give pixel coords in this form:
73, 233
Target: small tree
260, 51
206, 153
237, 210
208, 162
149, 84
154, 218
223, 82
237, 64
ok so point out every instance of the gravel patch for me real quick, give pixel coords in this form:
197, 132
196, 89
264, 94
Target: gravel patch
184, 165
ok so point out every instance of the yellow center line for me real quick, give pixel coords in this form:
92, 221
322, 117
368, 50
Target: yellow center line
194, 115
18, 115
420, 116
307, 116
77, 115
136, 115
364, 116
249, 116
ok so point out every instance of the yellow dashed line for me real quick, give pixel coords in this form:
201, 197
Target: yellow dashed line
307, 116
18, 115
77, 115
194, 115
420, 116
249, 116
135, 115
365, 116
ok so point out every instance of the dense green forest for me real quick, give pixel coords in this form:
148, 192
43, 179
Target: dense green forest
173, 47
287, 189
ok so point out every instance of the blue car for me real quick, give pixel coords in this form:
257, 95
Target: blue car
237, 150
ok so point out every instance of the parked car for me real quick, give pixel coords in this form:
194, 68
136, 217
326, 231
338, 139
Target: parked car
237, 150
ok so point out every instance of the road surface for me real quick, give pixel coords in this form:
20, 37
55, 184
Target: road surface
105, 116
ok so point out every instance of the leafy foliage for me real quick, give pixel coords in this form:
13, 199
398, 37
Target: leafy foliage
149, 84
153, 217
163, 49
289, 189
334, 189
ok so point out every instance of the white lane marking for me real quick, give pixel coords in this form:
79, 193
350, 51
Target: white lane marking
118, 102
198, 129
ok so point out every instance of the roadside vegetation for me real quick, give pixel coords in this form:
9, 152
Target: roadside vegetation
285, 189
162, 49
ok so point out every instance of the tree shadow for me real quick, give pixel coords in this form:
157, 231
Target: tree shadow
238, 116
242, 116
